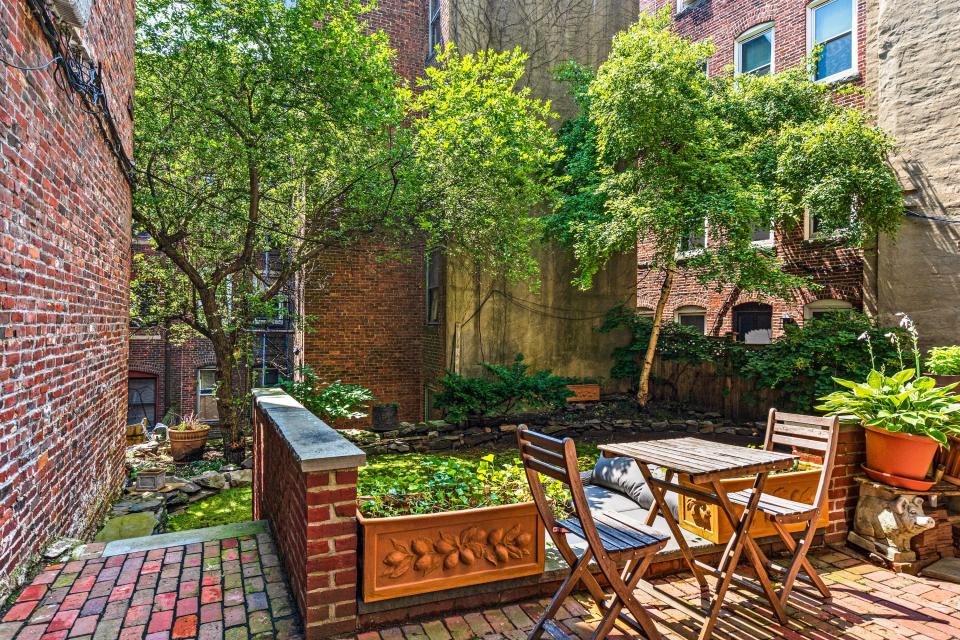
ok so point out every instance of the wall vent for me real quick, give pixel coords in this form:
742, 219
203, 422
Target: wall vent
73, 12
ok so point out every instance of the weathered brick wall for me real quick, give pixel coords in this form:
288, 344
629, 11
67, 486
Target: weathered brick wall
844, 491
64, 280
305, 484
836, 269
367, 312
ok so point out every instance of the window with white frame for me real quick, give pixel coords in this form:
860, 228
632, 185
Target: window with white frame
693, 241
435, 27
645, 312
820, 308
433, 286
207, 394
832, 26
692, 316
754, 51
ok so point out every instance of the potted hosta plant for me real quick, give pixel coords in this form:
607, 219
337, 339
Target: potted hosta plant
907, 417
943, 364
188, 439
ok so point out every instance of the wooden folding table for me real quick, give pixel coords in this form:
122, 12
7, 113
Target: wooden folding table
706, 463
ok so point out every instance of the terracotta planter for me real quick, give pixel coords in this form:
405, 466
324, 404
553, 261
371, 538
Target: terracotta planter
584, 393
950, 459
708, 522
899, 454
187, 445
943, 381
407, 555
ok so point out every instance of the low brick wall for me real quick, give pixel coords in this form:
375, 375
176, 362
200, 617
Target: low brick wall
843, 494
305, 484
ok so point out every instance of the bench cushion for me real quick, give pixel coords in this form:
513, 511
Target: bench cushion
633, 500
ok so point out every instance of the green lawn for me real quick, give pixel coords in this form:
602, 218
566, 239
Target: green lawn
227, 507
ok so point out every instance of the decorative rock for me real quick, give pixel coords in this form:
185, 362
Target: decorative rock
248, 463
209, 480
60, 547
944, 569
190, 488
145, 505
242, 478
134, 525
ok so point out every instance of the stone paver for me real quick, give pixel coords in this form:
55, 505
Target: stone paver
209, 590
868, 603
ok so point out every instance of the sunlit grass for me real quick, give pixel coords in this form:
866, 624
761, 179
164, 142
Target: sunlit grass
227, 507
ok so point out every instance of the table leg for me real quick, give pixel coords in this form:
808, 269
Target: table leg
655, 507
661, 504
756, 556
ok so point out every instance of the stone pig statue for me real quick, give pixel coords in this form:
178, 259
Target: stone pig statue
891, 521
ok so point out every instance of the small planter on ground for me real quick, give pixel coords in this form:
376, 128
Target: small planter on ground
188, 439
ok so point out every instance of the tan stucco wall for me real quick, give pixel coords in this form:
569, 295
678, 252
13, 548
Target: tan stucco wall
552, 326
914, 90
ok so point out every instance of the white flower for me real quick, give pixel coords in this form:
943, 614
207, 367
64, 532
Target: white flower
864, 336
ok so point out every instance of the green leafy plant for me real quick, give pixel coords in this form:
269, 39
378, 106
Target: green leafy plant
227, 507
804, 362
409, 484
944, 361
330, 401
190, 423
506, 388
902, 403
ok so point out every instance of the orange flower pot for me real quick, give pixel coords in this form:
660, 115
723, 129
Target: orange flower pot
187, 445
899, 454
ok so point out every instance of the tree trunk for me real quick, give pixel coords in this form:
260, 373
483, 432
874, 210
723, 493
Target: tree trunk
643, 393
231, 399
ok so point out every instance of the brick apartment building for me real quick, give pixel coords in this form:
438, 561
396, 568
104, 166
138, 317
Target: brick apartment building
64, 263
763, 37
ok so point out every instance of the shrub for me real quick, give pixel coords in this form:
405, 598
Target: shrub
504, 389
805, 360
329, 401
944, 361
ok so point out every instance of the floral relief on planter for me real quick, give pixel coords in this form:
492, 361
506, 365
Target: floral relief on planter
407, 555
706, 521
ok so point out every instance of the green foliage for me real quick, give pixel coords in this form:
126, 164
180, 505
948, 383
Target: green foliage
677, 342
330, 401
407, 484
674, 148
263, 126
484, 155
805, 360
944, 361
903, 402
506, 387
227, 507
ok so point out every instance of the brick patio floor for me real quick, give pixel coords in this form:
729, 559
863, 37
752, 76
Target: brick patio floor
232, 588
869, 603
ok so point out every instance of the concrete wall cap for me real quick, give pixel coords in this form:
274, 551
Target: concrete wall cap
314, 443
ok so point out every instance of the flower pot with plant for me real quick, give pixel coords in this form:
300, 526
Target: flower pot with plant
188, 439
943, 365
907, 417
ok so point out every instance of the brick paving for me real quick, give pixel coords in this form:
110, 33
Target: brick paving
230, 589
869, 603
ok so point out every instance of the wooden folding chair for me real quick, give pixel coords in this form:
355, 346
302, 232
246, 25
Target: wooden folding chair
812, 433
611, 540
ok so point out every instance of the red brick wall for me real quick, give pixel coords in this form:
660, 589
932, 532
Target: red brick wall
838, 270
314, 523
367, 313
844, 491
64, 286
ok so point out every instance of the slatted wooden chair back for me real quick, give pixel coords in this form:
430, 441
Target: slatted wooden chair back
812, 433
555, 459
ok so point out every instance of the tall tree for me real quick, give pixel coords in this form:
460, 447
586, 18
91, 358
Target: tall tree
677, 151
264, 124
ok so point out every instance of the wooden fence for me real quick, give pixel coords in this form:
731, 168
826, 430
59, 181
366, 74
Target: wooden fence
701, 386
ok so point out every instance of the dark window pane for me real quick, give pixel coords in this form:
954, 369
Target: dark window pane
755, 54
699, 321
141, 400
761, 233
836, 57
